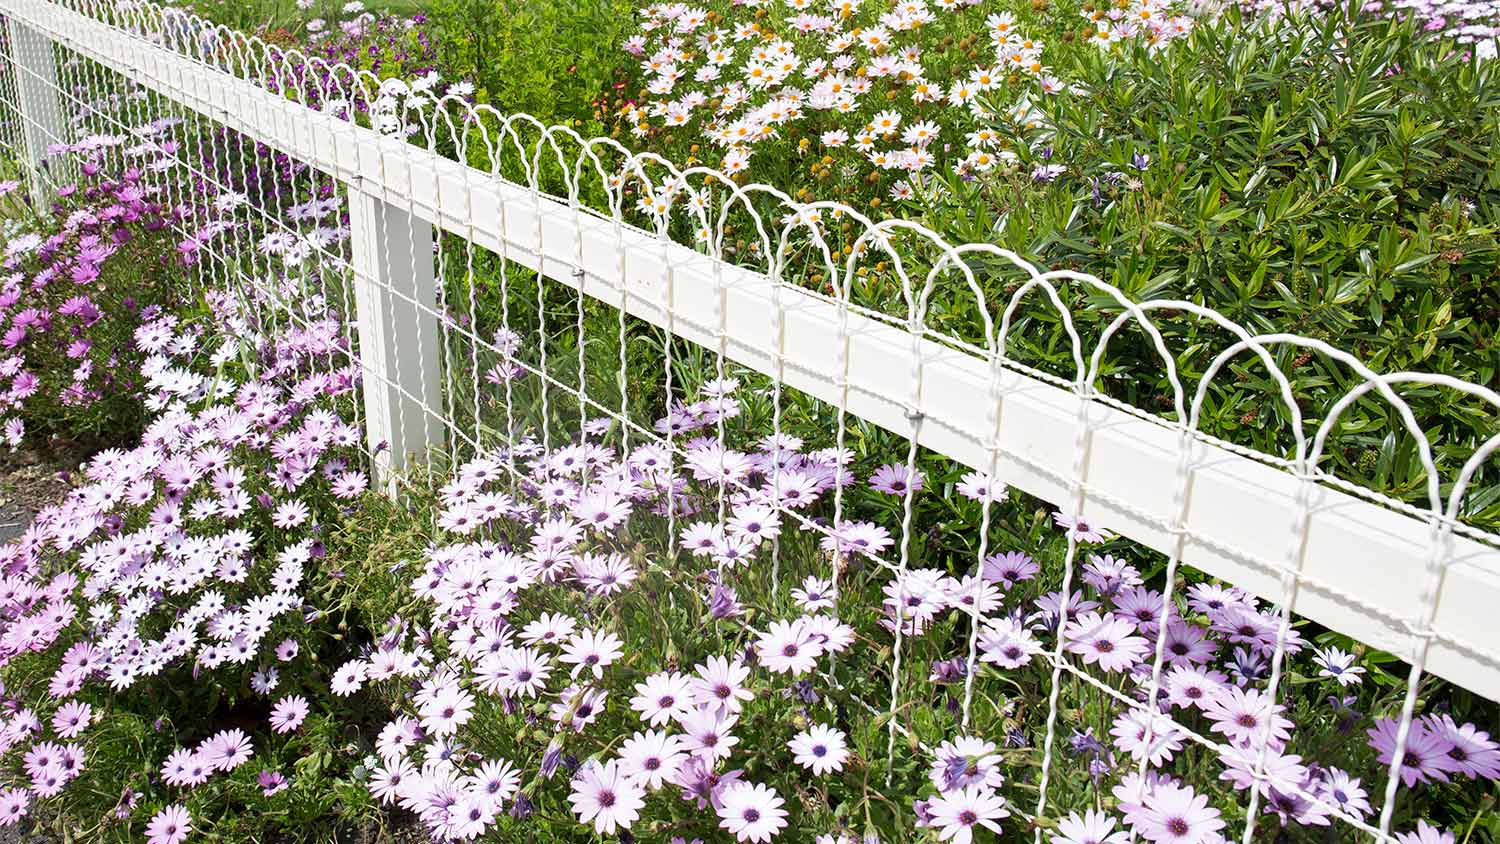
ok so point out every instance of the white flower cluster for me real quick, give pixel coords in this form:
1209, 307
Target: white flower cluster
747, 83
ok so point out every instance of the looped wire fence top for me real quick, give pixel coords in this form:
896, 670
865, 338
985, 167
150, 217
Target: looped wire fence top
929, 353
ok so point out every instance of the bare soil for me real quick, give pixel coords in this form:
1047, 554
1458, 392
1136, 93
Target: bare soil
33, 478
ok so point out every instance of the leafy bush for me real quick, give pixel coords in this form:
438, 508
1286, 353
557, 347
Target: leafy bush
549, 59
160, 630
73, 296
1319, 176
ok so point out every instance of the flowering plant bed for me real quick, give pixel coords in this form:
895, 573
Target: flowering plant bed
571, 656
726, 610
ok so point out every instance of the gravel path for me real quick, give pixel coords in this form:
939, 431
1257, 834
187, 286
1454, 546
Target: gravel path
19, 834
13, 522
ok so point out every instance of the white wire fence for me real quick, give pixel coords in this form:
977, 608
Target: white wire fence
494, 280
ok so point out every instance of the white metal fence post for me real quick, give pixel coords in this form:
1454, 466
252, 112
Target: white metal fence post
399, 353
39, 106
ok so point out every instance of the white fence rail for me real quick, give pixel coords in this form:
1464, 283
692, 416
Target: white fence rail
1413, 581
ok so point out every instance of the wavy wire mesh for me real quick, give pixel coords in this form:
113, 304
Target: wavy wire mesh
465, 350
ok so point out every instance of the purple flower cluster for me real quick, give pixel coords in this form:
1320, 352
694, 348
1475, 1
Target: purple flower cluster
1472, 24
66, 346
516, 625
396, 55
485, 646
167, 558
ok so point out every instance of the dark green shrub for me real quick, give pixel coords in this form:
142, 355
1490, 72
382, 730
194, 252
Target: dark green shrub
1329, 177
549, 59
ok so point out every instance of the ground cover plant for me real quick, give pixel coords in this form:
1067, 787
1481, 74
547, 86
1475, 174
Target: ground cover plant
652, 646
161, 630
73, 298
159, 647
